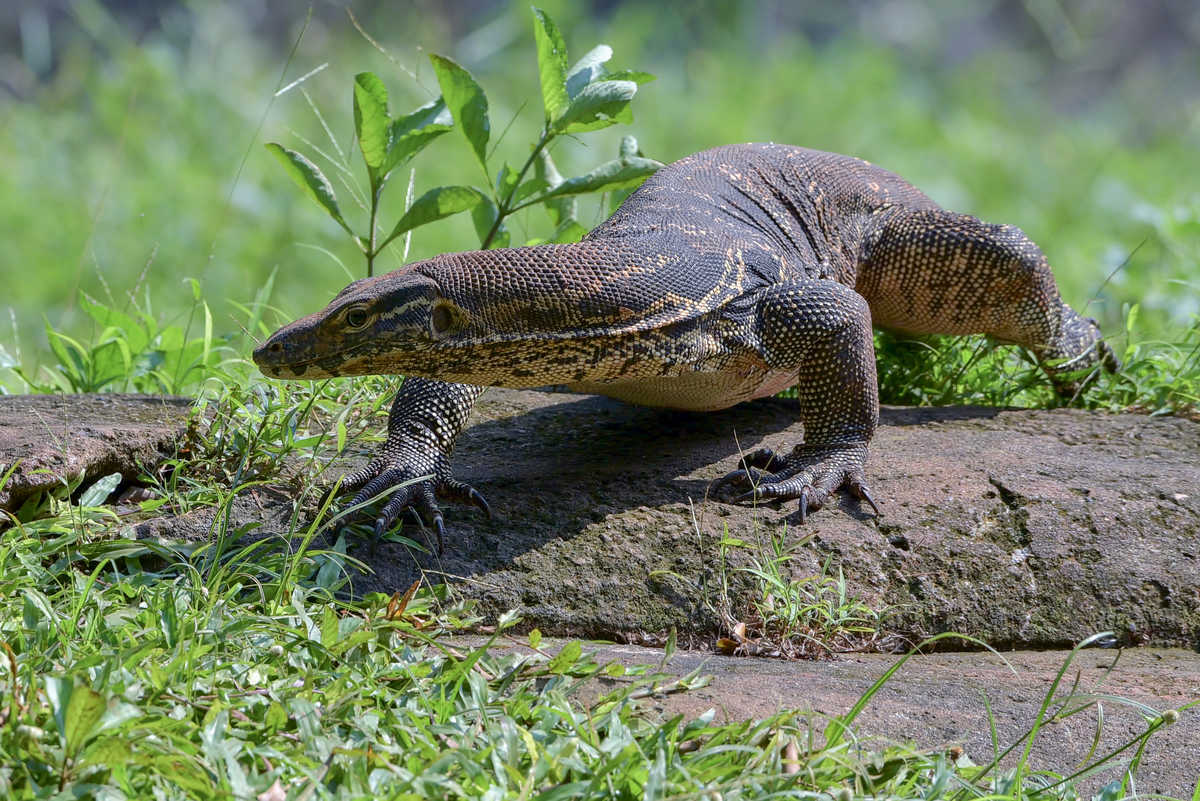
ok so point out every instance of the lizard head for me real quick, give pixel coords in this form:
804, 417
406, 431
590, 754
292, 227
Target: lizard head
386, 324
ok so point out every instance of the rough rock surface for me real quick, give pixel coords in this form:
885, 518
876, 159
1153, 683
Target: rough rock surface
53, 438
1032, 528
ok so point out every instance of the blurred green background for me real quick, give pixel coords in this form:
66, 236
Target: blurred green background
131, 132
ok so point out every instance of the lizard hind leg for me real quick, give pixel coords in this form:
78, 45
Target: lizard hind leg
822, 331
1075, 353
932, 271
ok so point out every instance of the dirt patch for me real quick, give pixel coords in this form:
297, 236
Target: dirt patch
1023, 528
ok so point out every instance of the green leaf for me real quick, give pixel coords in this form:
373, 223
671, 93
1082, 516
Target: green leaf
371, 121
588, 69
616, 174
598, 105
552, 65
98, 492
135, 334
528, 189
566, 658
107, 751
434, 205
637, 76
310, 178
84, 710
329, 627
484, 216
409, 134
467, 103
506, 181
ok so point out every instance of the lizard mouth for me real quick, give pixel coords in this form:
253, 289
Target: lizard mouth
272, 360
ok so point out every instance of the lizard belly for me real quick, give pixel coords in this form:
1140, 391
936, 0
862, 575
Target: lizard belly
698, 392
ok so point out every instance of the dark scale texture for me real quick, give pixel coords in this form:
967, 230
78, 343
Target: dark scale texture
732, 274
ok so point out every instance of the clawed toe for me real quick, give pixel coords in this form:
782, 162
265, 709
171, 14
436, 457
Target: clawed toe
809, 475
860, 491
412, 494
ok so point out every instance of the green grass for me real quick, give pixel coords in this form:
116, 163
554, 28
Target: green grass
132, 670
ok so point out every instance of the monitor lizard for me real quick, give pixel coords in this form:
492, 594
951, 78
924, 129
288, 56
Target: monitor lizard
732, 274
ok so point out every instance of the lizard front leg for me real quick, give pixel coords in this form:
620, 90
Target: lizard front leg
426, 418
822, 330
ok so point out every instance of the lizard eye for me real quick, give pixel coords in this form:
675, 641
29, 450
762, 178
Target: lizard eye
441, 319
357, 317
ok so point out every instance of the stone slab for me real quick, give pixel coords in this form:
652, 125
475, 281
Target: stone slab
1021, 527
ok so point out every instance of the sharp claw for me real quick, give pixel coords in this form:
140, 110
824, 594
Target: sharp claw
863, 494
381, 527
440, 526
479, 501
804, 505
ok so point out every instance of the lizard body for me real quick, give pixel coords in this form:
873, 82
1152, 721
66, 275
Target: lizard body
729, 275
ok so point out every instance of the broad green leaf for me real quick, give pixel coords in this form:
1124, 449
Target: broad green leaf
434, 205
552, 65
588, 69
506, 181
98, 492
408, 135
71, 357
111, 361
107, 751
58, 688
371, 121
134, 333
310, 178
484, 216
598, 105
616, 174
84, 711
467, 103
329, 627
565, 659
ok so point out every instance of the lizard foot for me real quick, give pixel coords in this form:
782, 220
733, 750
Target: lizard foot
810, 474
412, 485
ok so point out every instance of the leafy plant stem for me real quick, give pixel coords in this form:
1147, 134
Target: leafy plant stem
371, 251
504, 208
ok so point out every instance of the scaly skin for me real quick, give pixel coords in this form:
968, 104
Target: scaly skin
730, 275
